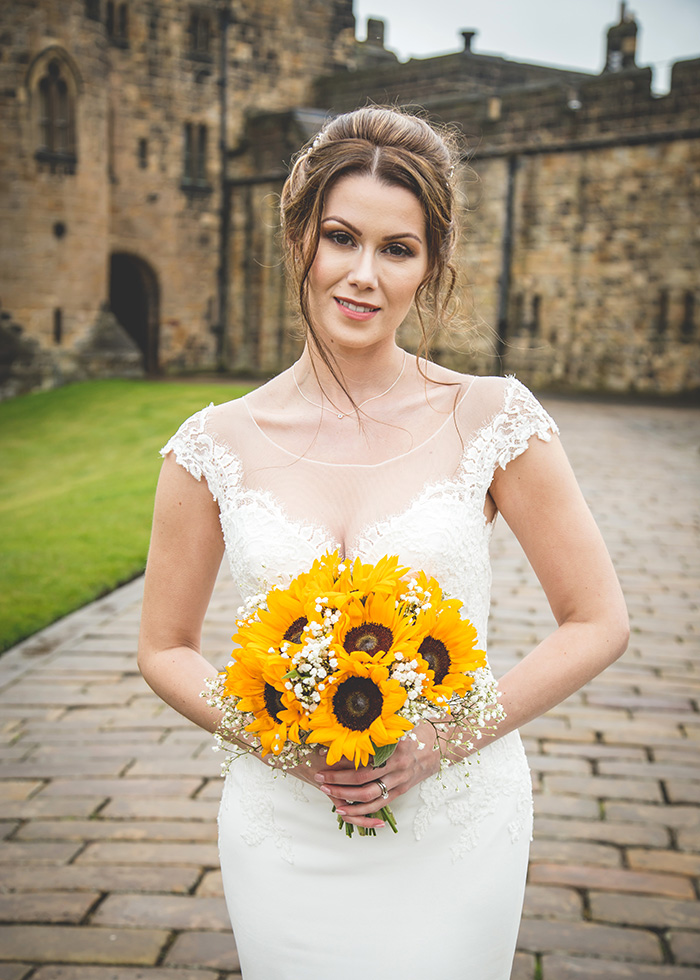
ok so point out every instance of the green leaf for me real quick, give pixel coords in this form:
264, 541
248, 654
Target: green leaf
381, 754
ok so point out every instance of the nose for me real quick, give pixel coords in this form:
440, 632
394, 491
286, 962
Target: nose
363, 272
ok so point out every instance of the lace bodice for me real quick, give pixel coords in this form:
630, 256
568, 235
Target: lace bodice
279, 510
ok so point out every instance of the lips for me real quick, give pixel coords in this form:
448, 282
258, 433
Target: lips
356, 307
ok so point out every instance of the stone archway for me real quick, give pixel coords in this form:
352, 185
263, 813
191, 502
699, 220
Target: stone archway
134, 298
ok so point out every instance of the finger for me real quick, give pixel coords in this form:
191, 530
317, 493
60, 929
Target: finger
358, 792
362, 814
349, 776
363, 799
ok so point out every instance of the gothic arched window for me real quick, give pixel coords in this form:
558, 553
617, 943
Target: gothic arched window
54, 95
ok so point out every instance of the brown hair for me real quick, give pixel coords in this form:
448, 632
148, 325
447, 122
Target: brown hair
398, 148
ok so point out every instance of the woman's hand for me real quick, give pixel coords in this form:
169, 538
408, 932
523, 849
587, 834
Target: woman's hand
356, 794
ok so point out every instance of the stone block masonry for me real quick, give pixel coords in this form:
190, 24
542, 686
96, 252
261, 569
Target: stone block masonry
143, 152
112, 150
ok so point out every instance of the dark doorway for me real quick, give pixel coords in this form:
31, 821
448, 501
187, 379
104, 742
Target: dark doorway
134, 300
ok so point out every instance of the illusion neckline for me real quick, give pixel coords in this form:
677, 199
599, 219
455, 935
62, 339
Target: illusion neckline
383, 462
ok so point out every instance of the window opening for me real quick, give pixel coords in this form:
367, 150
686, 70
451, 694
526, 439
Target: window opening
57, 326
117, 23
143, 154
199, 31
688, 324
662, 314
195, 157
56, 118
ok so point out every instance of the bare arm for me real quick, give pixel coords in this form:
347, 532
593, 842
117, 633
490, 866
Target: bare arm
183, 561
540, 499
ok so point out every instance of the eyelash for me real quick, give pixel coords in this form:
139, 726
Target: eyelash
403, 250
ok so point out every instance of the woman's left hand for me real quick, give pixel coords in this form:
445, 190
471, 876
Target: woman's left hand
356, 793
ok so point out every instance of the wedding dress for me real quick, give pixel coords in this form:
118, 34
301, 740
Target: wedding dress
443, 897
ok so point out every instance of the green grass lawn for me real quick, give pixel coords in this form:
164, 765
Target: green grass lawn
78, 469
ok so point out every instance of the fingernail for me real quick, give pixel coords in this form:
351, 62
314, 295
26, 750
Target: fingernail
341, 813
319, 778
326, 790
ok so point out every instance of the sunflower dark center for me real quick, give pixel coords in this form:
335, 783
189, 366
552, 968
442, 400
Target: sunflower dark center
369, 637
437, 656
295, 632
357, 702
273, 702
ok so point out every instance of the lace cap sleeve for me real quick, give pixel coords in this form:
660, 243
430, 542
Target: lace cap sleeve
520, 418
196, 450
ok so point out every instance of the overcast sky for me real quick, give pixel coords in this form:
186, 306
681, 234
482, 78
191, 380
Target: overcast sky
556, 32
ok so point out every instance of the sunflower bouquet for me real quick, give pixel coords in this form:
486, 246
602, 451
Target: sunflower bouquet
352, 656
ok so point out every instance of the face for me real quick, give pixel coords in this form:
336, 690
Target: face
371, 258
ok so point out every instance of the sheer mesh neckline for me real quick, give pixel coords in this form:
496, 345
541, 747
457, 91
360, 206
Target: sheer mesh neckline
367, 466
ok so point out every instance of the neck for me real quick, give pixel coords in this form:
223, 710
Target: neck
366, 375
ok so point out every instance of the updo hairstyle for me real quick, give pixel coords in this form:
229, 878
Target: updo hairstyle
397, 148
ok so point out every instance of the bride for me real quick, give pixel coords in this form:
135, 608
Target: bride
363, 448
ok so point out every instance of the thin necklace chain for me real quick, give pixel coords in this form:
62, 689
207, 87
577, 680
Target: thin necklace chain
344, 415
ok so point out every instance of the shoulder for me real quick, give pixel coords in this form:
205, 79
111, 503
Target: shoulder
198, 447
505, 416
488, 396
507, 401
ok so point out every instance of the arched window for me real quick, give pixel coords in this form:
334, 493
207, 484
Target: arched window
53, 90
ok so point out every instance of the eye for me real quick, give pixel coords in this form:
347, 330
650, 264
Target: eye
340, 237
399, 250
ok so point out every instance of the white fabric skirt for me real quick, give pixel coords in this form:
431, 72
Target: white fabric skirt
442, 898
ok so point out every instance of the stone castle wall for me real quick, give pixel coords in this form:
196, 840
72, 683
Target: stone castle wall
603, 291
54, 226
127, 221
590, 180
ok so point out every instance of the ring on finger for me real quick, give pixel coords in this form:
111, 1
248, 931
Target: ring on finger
382, 788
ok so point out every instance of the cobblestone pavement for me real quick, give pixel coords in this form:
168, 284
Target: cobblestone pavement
108, 798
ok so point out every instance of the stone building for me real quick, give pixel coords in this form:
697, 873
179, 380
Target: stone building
144, 146
115, 122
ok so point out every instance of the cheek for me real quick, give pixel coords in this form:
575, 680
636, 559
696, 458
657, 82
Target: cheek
407, 286
326, 269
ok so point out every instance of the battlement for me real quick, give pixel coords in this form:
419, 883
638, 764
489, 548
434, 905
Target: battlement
503, 105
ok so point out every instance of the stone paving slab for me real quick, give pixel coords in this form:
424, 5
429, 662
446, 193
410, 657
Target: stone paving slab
108, 799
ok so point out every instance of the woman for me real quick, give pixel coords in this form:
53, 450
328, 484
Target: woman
360, 447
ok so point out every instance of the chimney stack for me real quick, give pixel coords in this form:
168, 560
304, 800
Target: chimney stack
468, 38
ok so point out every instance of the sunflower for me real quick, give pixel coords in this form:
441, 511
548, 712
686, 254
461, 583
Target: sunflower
375, 627
358, 713
289, 610
358, 580
447, 647
258, 685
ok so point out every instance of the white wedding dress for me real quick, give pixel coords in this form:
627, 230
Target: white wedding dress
443, 897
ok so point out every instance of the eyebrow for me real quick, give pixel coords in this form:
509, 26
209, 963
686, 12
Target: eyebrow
356, 231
